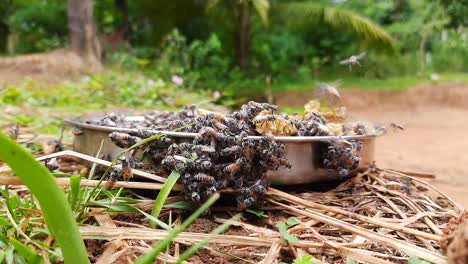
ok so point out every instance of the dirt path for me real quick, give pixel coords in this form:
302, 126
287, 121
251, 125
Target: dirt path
435, 138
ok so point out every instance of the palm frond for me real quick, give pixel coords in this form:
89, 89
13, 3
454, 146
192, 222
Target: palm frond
306, 14
262, 7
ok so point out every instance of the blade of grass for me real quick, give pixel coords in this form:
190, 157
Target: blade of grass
163, 194
74, 191
56, 210
27, 252
151, 256
194, 249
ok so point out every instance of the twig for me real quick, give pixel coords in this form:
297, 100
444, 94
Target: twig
406, 247
413, 174
6, 180
300, 201
101, 162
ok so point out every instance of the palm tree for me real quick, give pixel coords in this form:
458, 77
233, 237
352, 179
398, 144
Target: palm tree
306, 14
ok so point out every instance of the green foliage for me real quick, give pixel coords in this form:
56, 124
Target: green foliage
414, 260
163, 194
450, 52
283, 229
151, 256
307, 259
306, 14
38, 25
53, 203
258, 213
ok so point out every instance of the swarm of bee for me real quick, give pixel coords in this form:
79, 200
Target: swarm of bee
342, 156
223, 155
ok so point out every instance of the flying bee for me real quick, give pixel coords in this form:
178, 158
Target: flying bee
123, 140
353, 60
396, 126
360, 129
330, 92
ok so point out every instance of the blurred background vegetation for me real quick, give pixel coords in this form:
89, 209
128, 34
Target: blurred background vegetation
232, 46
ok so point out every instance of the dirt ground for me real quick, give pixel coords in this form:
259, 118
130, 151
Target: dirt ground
435, 118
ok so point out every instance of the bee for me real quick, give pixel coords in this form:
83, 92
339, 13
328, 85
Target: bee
204, 178
322, 130
109, 120
353, 60
195, 197
330, 92
233, 151
203, 165
13, 131
114, 175
245, 203
397, 126
210, 191
258, 187
76, 131
123, 140
397, 186
51, 164
126, 169
208, 132
264, 118
232, 169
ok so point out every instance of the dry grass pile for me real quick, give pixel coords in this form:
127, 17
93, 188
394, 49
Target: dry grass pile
378, 216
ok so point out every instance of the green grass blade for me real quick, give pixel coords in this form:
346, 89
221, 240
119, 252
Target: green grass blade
194, 249
74, 193
27, 252
151, 256
163, 194
56, 210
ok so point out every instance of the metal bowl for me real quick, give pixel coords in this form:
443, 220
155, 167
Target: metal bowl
304, 153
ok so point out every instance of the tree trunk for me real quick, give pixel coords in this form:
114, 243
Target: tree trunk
82, 30
422, 53
122, 6
4, 31
243, 33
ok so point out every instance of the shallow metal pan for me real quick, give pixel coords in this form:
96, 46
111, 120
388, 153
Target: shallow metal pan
304, 153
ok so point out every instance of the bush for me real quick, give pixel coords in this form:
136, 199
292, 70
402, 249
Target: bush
450, 55
39, 26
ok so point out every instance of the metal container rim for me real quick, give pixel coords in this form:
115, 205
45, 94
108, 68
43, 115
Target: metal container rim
78, 123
